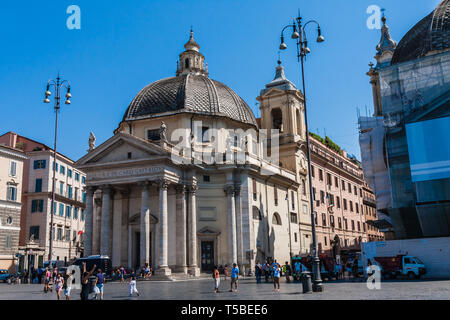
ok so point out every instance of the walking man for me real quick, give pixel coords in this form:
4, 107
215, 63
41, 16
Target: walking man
234, 277
100, 282
133, 283
276, 277
67, 286
258, 271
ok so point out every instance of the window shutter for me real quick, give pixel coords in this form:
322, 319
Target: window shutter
41, 205
35, 164
33, 205
44, 164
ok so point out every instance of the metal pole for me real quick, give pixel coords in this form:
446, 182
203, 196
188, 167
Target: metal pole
317, 281
52, 208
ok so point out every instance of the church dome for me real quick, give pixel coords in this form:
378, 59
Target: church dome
191, 91
430, 35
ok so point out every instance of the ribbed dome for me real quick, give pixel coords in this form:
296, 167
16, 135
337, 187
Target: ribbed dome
189, 93
431, 34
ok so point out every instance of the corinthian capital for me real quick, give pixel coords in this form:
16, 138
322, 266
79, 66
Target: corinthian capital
163, 183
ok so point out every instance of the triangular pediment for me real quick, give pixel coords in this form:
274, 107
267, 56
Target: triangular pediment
122, 147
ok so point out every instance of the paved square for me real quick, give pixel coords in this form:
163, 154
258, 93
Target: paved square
248, 290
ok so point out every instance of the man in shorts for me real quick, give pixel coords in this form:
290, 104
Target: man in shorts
67, 286
276, 277
100, 282
234, 277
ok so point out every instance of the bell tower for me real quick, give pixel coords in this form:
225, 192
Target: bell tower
281, 106
191, 60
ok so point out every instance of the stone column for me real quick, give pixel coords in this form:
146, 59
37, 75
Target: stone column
130, 248
229, 191
145, 226
97, 225
164, 229
181, 228
89, 224
193, 268
238, 204
117, 230
106, 208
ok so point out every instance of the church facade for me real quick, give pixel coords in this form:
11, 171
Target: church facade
185, 182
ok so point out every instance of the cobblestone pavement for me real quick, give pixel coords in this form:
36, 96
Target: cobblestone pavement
248, 289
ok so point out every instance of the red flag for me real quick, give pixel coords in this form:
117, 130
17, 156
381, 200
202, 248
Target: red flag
80, 232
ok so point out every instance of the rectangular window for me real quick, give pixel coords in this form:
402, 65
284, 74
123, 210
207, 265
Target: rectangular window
61, 188
356, 207
69, 192
37, 205
83, 180
294, 217
353, 225
336, 182
153, 135
320, 175
34, 232
345, 204
68, 211
351, 206
324, 219
364, 227
38, 185
305, 209
314, 193
54, 207
61, 210
8, 241
254, 190
56, 169
76, 194
359, 226
59, 234
206, 178
343, 185
34, 204
62, 170
292, 200
360, 192
275, 195
77, 176
205, 136
346, 224
339, 223
329, 181
349, 188
322, 196
331, 199
295, 236
12, 193
338, 202
355, 190
331, 220
39, 164
13, 168
75, 213
83, 196
69, 173
312, 171
66, 234
325, 240
83, 214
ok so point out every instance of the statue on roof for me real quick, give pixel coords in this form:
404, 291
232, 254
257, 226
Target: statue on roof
91, 141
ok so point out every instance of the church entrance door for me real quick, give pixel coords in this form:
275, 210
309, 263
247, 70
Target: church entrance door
207, 255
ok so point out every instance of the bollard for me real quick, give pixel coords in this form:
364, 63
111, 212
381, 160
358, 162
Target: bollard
306, 282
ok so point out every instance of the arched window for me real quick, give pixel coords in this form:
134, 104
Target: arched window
186, 63
256, 213
276, 219
277, 119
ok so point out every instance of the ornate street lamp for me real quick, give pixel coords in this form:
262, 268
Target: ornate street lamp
302, 51
56, 85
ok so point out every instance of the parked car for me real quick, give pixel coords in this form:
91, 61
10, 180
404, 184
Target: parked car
4, 275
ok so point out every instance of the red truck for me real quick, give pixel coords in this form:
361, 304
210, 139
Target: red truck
401, 265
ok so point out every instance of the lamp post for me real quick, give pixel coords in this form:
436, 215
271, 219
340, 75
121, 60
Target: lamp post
57, 85
302, 51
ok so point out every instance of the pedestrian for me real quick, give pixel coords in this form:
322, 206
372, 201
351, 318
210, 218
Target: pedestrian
47, 275
266, 272
225, 271
216, 276
234, 277
276, 277
122, 274
133, 283
287, 271
258, 272
59, 282
355, 270
85, 287
67, 286
100, 282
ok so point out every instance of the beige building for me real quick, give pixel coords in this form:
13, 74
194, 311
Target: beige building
69, 210
153, 197
11, 170
371, 215
338, 184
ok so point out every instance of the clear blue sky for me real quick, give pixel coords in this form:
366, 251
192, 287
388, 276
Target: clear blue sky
124, 45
